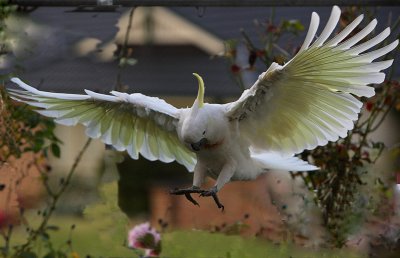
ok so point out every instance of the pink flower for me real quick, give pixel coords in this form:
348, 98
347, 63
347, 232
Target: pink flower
143, 236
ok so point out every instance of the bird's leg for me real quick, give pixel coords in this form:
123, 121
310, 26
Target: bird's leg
198, 180
224, 177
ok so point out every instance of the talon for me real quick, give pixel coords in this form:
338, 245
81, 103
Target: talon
219, 204
213, 192
187, 192
190, 198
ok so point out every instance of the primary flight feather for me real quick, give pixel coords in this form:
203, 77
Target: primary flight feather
301, 105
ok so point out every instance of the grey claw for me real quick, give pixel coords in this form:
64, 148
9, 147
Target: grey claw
203, 193
190, 198
187, 192
213, 192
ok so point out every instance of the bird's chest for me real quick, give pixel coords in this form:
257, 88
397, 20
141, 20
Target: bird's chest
213, 159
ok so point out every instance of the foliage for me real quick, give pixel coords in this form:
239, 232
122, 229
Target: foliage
23, 130
202, 244
344, 164
6, 9
38, 237
344, 167
88, 241
104, 230
107, 218
269, 34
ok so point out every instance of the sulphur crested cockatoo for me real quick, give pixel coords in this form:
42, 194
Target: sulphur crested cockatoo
301, 105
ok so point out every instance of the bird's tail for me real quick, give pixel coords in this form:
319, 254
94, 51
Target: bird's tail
275, 161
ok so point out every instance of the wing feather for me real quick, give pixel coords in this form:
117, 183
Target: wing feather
345, 32
311, 99
359, 36
135, 122
330, 26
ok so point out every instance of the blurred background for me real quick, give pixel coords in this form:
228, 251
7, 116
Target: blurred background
154, 51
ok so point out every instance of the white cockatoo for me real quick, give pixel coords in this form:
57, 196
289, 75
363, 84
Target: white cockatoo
301, 105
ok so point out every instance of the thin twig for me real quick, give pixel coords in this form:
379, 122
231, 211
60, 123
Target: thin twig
52, 206
124, 50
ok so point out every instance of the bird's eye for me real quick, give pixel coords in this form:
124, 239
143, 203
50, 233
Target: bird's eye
204, 132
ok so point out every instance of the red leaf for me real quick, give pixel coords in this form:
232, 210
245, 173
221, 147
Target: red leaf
235, 68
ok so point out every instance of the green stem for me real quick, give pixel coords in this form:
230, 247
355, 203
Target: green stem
387, 111
55, 198
124, 50
7, 238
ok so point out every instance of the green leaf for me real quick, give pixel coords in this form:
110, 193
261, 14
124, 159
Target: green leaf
50, 255
122, 61
55, 149
54, 254
37, 144
45, 236
53, 227
106, 217
148, 241
293, 26
28, 254
131, 61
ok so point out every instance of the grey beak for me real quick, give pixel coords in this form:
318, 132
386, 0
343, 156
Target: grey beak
197, 145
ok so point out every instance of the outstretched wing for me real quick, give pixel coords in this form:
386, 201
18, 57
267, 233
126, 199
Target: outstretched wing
309, 101
135, 122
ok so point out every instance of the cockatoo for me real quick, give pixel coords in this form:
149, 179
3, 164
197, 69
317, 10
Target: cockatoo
303, 104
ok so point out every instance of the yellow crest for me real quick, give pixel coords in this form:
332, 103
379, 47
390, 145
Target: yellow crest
200, 93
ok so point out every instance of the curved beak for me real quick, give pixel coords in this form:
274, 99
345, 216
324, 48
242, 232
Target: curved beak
197, 145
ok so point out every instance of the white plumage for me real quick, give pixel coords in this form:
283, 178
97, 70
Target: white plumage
301, 105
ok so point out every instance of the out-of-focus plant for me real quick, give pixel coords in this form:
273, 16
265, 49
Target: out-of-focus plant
54, 195
145, 237
124, 57
345, 163
6, 9
336, 187
106, 217
269, 51
23, 131
236, 228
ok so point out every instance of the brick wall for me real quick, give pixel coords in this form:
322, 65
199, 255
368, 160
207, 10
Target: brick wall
248, 202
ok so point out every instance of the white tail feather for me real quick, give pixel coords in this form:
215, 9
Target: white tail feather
271, 160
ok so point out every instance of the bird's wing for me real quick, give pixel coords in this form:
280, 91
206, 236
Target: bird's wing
309, 101
135, 122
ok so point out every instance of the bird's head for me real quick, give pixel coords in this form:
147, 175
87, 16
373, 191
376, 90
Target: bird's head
201, 128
